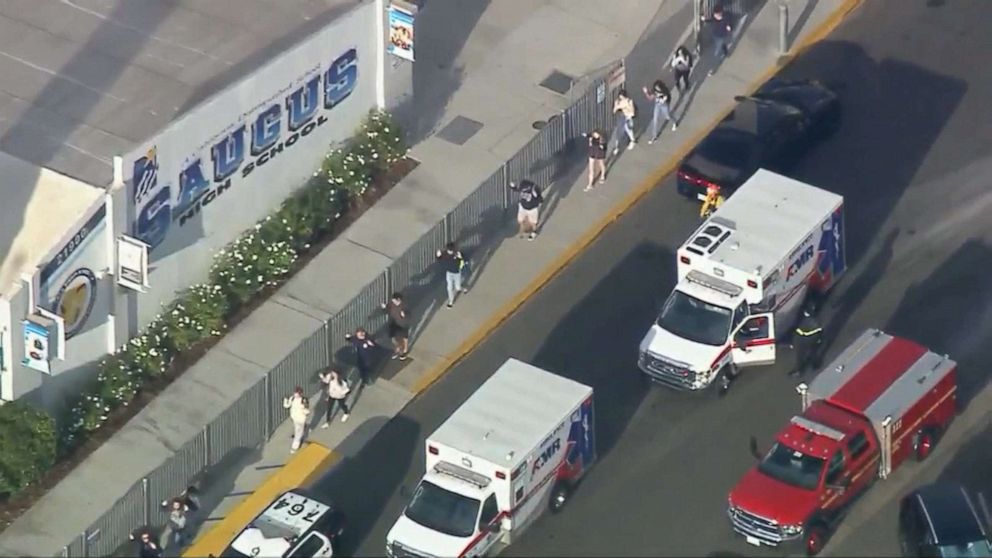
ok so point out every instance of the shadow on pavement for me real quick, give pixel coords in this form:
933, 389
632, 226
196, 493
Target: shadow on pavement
878, 111
386, 459
949, 313
604, 329
969, 466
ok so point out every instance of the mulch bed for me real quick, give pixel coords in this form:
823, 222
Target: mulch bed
11, 509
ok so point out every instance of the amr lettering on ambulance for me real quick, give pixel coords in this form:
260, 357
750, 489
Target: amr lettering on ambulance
256, 139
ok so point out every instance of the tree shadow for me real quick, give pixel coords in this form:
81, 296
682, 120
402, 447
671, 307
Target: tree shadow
389, 457
604, 329
443, 29
800, 21
962, 468
948, 312
877, 112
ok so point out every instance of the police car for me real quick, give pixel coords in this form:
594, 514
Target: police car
295, 524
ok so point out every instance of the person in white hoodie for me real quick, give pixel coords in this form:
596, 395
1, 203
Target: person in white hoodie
337, 391
299, 413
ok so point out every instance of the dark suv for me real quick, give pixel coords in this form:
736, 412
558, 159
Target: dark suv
942, 520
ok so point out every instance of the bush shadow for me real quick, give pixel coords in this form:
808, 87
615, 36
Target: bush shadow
604, 329
948, 312
388, 454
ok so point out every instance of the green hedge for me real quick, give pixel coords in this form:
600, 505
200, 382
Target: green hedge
263, 256
27, 446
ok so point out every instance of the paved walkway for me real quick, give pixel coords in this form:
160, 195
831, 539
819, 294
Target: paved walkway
493, 58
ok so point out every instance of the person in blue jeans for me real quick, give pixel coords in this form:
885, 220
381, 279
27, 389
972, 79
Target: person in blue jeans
453, 263
722, 31
661, 98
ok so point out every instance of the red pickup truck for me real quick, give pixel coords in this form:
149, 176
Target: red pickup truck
883, 400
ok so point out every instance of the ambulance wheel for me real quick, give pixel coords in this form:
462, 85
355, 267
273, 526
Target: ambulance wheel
924, 442
723, 380
559, 496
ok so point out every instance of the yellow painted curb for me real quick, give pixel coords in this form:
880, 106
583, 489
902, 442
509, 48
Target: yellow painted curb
438, 370
301, 469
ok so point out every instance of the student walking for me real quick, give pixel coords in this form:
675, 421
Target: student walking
144, 540
365, 348
722, 31
299, 413
682, 64
624, 109
337, 390
453, 263
661, 97
596, 150
176, 525
399, 325
528, 212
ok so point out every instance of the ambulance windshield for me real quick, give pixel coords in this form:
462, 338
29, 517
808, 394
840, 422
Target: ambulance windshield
443, 511
695, 320
792, 467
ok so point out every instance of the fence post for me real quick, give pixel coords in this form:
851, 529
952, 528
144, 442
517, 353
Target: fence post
268, 404
146, 513
447, 228
206, 446
783, 27
86, 543
505, 186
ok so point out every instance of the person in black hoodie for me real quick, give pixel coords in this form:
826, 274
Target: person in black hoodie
722, 32
364, 352
528, 212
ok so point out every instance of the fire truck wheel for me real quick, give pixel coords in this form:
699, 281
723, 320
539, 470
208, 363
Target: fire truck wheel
816, 537
924, 442
559, 496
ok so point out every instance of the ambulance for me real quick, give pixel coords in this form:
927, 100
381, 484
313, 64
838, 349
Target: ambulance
743, 277
517, 447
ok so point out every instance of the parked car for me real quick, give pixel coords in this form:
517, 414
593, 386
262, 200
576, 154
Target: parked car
297, 524
942, 520
769, 129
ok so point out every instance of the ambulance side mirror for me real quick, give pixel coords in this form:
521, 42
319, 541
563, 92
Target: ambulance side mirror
753, 446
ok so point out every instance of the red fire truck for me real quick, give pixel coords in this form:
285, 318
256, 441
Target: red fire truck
882, 401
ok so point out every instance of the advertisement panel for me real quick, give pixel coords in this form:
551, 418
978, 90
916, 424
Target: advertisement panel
230, 161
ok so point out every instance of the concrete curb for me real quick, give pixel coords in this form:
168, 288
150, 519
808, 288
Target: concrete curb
550, 272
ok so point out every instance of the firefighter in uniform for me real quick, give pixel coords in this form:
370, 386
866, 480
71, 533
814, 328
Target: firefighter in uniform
713, 200
808, 336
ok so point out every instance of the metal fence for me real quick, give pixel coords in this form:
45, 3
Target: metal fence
253, 418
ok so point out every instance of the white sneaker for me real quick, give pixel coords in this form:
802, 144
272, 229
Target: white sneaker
616, 151
325, 425
631, 145
345, 418
675, 127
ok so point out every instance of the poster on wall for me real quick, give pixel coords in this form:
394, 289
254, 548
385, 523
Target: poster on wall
401, 32
132, 263
36, 347
68, 285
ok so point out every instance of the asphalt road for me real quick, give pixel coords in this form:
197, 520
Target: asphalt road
911, 159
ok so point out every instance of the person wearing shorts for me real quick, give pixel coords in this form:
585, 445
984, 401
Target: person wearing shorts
399, 325
528, 211
596, 150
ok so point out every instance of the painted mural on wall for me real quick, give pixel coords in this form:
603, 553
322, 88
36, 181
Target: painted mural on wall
68, 282
166, 198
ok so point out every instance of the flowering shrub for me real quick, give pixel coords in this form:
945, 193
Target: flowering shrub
197, 314
250, 264
260, 258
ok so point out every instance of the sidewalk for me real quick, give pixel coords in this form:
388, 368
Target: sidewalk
507, 52
574, 220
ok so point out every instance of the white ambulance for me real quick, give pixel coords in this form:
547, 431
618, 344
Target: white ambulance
743, 277
516, 447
